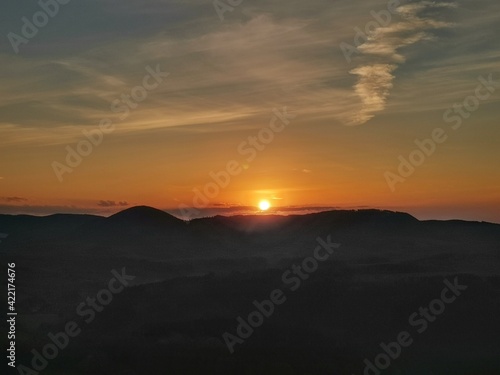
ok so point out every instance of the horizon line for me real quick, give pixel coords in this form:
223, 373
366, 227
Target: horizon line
214, 211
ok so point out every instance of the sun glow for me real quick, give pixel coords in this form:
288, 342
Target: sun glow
264, 205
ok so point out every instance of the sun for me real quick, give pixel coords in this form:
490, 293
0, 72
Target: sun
264, 205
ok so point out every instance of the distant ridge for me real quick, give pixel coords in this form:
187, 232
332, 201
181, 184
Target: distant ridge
144, 231
150, 216
370, 215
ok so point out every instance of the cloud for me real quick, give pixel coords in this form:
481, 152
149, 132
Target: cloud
14, 199
304, 170
373, 87
375, 80
265, 54
104, 203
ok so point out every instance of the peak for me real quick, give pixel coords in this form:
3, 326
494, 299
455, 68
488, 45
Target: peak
139, 209
144, 214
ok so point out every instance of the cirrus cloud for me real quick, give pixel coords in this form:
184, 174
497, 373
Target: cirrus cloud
375, 79
15, 199
105, 203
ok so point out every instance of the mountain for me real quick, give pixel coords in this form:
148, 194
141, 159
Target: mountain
192, 281
145, 216
148, 232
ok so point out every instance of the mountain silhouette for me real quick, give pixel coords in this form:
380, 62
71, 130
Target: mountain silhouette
145, 215
192, 281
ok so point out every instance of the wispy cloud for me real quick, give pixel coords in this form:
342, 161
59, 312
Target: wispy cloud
375, 79
104, 203
303, 170
373, 87
14, 199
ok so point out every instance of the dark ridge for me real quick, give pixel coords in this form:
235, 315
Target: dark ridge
64, 223
460, 222
370, 215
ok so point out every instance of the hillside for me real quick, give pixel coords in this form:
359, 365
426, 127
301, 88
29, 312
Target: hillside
193, 280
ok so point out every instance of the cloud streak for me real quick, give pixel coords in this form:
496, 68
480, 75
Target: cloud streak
373, 87
104, 203
14, 199
375, 79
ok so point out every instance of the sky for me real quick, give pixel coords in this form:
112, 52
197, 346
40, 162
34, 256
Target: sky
201, 107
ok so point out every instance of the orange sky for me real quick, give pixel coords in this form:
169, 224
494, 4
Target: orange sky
349, 119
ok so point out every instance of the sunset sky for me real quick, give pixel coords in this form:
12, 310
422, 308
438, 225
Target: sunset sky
351, 112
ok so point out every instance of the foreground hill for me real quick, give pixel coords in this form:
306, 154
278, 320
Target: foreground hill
193, 280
